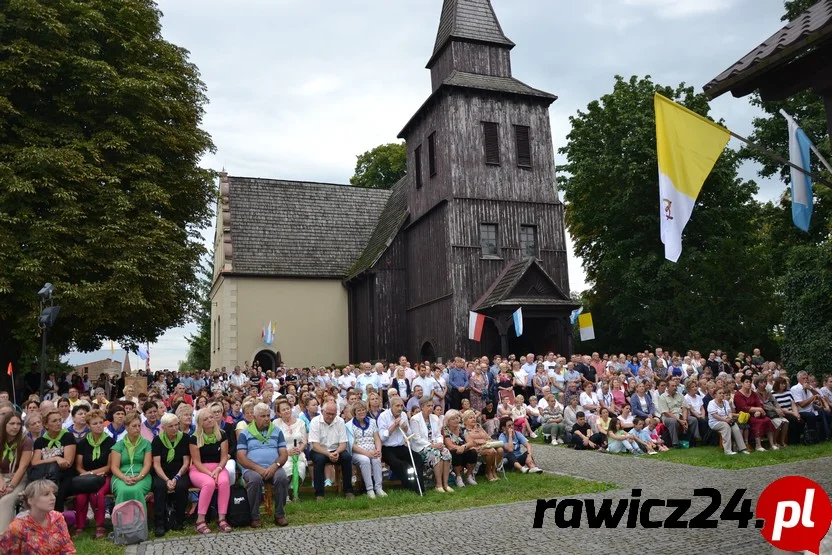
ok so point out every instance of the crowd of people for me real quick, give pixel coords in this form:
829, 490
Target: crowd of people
427, 425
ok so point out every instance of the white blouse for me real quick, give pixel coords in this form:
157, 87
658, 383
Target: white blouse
296, 431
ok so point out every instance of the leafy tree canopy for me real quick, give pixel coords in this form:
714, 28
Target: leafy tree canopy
102, 194
381, 167
199, 350
719, 293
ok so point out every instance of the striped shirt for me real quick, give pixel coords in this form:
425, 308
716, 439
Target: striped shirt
784, 399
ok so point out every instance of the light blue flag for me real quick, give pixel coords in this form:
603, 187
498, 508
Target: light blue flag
518, 322
573, 318
142, 353
799, 148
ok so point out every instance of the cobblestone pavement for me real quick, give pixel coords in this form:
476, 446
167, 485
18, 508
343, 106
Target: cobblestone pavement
509, 526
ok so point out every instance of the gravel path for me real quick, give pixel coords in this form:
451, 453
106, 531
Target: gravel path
500, 527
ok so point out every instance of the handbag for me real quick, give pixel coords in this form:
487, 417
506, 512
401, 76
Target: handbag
49, 471
87, 483
743, 417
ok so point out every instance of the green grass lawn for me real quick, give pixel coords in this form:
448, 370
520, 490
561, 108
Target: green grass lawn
518, 487
714, 457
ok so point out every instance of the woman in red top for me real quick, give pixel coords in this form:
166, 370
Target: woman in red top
43, 530
746, 400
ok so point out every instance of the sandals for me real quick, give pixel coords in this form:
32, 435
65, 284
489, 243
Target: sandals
224, 526
202, 528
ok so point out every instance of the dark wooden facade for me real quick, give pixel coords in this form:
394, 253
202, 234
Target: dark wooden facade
421, 275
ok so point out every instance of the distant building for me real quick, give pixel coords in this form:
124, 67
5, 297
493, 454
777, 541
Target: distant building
107, 366
349, 274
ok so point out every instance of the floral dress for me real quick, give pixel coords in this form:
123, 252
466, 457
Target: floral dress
26, 536
478, 399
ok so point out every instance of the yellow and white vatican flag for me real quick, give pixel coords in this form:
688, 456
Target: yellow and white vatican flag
688, 147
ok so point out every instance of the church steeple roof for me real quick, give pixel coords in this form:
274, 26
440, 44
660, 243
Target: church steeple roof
469, 20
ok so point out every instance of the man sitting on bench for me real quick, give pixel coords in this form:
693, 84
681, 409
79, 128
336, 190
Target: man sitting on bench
328, 439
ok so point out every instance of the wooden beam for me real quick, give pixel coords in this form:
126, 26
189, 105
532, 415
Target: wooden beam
810, 71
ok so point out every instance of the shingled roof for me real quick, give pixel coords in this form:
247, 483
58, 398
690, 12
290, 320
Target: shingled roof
472, 20
300, 229
808, 30
505, 289
389, 222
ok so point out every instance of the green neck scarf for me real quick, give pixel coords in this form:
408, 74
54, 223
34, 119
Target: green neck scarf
96, 445
9, 452
171, 447
252, 429
131, 447
54, 441
209, 439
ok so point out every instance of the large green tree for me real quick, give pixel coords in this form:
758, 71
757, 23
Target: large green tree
719, 293
101, 193
381, 167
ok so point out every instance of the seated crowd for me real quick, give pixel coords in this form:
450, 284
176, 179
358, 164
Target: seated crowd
192, 438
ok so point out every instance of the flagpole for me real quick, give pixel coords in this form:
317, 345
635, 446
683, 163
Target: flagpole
771, 154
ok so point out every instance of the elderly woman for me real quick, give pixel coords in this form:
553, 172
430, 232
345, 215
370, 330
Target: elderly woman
366, 449
93, 460
248, 416
56, 447
478, 383
427, 440
34, 426
209, 453
462, 455
721, 420
641, 402
116, 429
695, 403
43, 530
477, 439
746, 400
552, 420
185, 414
14, 462
171, 461
130, 463
773, 411
294, 432
519, 415
570, 417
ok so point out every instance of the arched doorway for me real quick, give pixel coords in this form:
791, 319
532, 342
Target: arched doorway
427, 352
266, 360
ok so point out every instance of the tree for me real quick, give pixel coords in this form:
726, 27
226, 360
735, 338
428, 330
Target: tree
382, 167
199, 350
719, 293
102, 194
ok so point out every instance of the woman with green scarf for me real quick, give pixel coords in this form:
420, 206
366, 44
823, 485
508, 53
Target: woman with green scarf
93, 459
171, 461
130, 463
55, 447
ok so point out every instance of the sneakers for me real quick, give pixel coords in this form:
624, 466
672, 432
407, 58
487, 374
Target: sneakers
746, 452
761, 449
459, 482
371, 494
524, 469
775, 448
536, 470
449, 489
652, 452
381, 493
534, 435
731, 453
471, 481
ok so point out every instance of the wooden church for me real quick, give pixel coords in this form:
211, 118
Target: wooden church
348, 274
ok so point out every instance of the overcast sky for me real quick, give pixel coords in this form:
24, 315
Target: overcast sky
298, 88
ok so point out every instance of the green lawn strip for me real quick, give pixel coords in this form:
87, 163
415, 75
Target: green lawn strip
713, 457
518, 487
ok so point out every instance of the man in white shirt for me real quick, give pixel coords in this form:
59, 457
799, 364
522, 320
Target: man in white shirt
425, 380
367, 377
805, 397
328, 440
238, 378
346, 381
395, 446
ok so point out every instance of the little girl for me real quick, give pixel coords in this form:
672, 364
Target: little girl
619, 441
655, 434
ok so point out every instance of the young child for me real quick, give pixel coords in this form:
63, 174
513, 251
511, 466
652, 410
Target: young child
655, 435
619, 441
642, 437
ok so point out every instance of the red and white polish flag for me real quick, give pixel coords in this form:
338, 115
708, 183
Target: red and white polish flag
475, 324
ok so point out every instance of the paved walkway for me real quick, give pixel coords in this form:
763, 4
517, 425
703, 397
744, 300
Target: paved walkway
509, 527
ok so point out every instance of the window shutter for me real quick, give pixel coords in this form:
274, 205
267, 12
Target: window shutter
491, 132
524, 147
432, 153
417, 160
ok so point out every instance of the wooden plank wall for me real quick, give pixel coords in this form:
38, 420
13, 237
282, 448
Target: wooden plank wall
471, 58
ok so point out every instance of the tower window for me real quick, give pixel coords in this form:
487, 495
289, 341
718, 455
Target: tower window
491, 134
528, 240
524, 147
488, 240
432, 153
417, 160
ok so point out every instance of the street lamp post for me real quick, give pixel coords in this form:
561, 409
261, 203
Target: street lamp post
48, 315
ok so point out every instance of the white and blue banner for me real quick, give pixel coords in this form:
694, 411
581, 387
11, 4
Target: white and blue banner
799, 148
573, 318
518, 322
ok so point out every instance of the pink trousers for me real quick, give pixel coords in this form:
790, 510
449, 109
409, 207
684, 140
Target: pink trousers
207, 487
